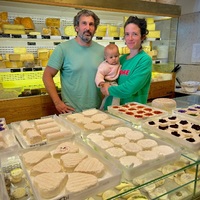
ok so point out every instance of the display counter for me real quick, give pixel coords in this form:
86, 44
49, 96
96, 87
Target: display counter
176, 179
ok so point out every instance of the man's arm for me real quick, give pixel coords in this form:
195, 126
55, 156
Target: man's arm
48, 75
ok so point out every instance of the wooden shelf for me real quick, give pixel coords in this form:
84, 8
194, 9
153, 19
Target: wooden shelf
128, 6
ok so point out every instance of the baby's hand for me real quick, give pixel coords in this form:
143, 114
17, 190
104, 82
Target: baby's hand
101, 84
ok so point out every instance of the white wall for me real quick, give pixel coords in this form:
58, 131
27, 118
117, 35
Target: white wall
188, 35
188, 6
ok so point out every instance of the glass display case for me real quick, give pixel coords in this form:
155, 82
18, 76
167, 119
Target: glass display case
177, 179
15, 74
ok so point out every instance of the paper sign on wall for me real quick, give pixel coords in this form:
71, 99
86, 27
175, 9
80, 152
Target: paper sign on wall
196, 53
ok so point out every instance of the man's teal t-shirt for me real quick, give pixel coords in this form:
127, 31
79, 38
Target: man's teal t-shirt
78, 66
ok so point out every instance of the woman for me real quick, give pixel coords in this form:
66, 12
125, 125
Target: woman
135, 75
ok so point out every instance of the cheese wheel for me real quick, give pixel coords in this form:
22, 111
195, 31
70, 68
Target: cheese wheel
164, 104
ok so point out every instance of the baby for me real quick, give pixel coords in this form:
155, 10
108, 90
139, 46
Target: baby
109, 69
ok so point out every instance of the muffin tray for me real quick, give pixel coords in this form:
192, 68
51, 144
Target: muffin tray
118, 143
178, 130
50, 124
110, 177
135, 112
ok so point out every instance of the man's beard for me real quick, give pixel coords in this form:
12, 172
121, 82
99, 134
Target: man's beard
86, 38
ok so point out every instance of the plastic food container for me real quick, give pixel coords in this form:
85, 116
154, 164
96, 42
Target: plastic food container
99, 141
179, 130
13, 187
191, 112
110, 178
190, 86
135, 112
70, 130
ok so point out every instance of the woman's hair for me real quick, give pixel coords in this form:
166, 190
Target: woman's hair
142, 24
86, 13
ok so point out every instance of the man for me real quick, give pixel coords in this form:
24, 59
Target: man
77, 60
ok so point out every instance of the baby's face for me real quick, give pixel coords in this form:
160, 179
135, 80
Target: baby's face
112, 57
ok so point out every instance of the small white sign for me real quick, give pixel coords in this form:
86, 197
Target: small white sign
196, 53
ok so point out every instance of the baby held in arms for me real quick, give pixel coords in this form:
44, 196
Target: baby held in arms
109, 69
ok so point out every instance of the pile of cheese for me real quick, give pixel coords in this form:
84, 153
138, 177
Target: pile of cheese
42, 129
92, 120
21, 25
43, 56
52, 27
3, 20
17, 59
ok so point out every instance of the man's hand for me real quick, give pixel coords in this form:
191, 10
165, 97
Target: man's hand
62, 107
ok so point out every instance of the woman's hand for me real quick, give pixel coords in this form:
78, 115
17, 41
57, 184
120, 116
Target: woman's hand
62, 107
104, 89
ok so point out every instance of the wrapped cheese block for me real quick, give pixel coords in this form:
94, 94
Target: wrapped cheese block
55, 31
69, 30
19, 50
27, 22
52, 22
21, 57
4, 16
154, 34
43, 54
14, 32
151, 26
13, 29
149, 20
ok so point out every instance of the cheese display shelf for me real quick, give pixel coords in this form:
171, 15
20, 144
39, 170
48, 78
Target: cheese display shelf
110, 29
160, 17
